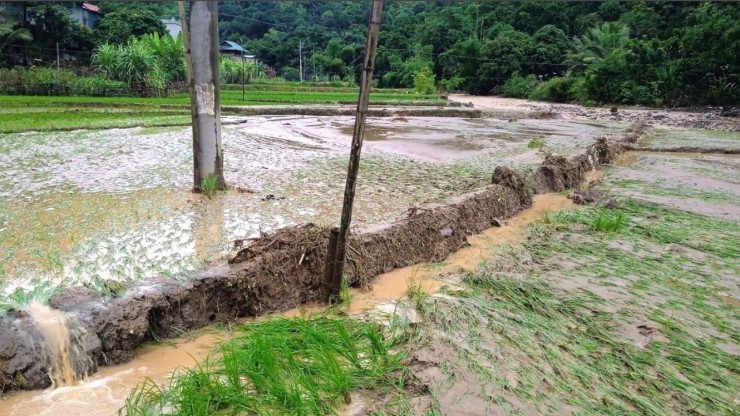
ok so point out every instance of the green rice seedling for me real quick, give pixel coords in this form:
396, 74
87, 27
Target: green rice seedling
536, 143
145, 399
282, 367
608, 222
208, 185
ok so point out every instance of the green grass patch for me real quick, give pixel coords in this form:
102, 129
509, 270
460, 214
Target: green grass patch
280, 367
208, 185
536, 143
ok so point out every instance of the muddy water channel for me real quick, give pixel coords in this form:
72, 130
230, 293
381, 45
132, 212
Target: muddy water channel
105, 392
109, 208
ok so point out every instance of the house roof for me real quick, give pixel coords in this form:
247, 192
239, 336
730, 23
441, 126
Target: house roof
91, 7
228, 45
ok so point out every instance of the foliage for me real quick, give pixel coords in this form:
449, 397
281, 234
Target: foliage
536, 143
556, 89
147, 64
54, 27
519, 87
615, 49
234, 71
9, 32
46, 81
208, 186
424, 82
279, 367
117, 27
451, 84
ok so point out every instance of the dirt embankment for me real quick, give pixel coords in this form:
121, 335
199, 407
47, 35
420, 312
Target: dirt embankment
274, 273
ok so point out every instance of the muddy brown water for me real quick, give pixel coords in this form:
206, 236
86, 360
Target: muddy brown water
105, 392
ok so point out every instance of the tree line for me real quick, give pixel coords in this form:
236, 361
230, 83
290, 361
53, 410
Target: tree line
650, 53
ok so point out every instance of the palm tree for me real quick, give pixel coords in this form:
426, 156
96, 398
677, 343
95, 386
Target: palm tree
8, 35
597, 43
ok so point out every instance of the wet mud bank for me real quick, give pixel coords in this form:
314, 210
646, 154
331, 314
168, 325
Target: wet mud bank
274, 273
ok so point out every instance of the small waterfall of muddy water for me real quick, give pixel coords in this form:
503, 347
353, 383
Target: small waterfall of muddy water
105, 392
59, 346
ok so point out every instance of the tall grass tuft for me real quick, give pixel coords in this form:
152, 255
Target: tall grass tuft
536, 143
208, 185
607, 221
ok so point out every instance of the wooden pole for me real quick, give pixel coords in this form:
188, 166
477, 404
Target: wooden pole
366, 80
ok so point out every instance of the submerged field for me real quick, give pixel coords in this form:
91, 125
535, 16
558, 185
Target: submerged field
625, 309
102, 208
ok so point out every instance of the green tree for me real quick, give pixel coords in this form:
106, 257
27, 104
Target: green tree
509, 52
117, 27
53, 25
598, 43
10, 32
424, 82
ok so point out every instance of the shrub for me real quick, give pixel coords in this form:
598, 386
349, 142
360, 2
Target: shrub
98, 87
520, 87
47, 81
633, 93
555, 89
536, 143
424, 82
234, 71
451, 84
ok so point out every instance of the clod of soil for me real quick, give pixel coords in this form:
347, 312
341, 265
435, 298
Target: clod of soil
590, 196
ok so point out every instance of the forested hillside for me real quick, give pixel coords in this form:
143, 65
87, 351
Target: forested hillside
649, 53
653, 53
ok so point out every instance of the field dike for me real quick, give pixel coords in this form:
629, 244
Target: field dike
274, 273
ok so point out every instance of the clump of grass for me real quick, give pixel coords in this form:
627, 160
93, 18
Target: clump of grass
280, 367
608, 222
536, 143
597, 219
208, 185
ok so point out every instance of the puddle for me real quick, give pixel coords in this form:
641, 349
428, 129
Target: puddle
105, 392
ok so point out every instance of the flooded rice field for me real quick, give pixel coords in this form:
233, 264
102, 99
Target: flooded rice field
701, 183
108, 208
110, 387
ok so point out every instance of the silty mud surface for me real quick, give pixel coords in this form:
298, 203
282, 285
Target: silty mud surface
702, 183
95, 207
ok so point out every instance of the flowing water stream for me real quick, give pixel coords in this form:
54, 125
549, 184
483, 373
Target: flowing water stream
105, 392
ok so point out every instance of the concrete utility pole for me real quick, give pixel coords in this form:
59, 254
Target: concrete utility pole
205, 98
300, 60
334, 270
